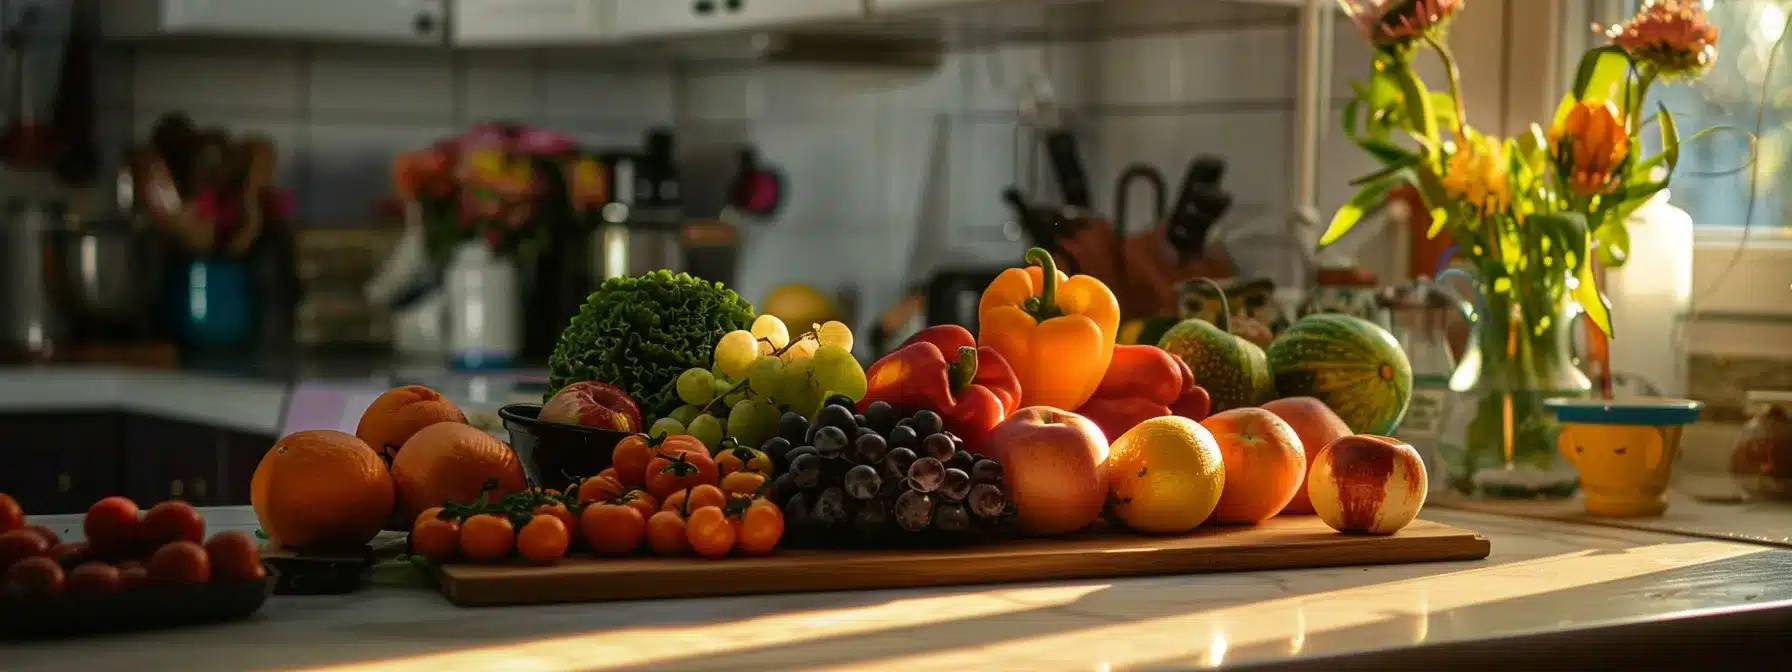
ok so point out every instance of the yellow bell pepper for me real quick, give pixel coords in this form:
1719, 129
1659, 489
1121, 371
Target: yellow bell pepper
1057, 332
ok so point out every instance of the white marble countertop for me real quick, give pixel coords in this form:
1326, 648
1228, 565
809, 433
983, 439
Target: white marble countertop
1540, 577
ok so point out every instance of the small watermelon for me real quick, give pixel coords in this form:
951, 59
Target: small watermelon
1353, 365
1233, 370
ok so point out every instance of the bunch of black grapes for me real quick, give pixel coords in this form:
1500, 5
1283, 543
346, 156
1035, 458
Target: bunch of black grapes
875, 479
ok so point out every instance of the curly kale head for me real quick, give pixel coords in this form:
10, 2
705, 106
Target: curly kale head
638, 333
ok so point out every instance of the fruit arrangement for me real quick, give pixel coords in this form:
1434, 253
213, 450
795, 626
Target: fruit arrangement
882, 479
125, 550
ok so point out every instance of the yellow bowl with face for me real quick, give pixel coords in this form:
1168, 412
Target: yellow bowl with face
1624, 450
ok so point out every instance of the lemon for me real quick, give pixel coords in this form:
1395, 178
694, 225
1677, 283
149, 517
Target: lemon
799, 306
1166, 475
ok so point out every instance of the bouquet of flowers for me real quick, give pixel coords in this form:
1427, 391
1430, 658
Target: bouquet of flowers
491, 184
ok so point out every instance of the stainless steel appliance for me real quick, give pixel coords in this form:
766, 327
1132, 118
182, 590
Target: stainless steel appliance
29, 323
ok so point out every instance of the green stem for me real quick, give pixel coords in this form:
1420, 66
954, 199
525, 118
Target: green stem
1417, 100
963, 371
1044, 306
1224, 321
1633, 116
1455, 78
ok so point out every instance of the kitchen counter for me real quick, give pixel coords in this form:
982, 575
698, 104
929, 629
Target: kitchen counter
1581, 597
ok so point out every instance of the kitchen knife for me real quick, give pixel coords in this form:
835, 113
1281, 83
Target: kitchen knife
1067, 166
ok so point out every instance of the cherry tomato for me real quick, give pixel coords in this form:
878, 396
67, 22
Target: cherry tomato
666, 534
629, 460
12, 516
759, 528
670, 472
20, 544
435, 538
95, 578
743, 458
111, 526
487, 538
609, 473
234, 557
743, 483
599, 489
170, 521
558, 510
642, 500
613, 528
683, 443
34, 576
48, 534
132, 574
70, 553
180, 563
544, 540
709, 532
431, 512
688, 500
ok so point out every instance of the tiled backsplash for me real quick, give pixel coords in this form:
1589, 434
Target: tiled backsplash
868, 154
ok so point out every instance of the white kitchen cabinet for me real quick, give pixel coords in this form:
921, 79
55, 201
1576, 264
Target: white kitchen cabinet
906, 5
660, 18
528, 22
408, 21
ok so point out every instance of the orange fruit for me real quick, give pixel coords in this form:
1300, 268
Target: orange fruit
1264, 464
1165, 475
450, 461
321, 489
487, 538
401, 412
544, 540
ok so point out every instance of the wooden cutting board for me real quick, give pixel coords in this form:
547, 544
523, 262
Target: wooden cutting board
1281, 543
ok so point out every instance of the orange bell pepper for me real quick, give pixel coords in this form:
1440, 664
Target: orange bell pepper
1057, 332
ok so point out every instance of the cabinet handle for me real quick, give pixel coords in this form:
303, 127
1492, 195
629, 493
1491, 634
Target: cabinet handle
704, 7
734, 5
424, 24
199, 488
65, 482
176, 488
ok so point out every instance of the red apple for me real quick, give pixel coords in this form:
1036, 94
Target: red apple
1054, 464
593, 404
1317, 426
1264, 464
1367, 483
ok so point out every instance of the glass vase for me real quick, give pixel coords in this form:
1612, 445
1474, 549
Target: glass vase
1501, 441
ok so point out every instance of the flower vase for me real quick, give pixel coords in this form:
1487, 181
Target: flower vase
485, 328
1500, 442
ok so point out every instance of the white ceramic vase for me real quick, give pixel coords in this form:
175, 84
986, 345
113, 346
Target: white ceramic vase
485, 329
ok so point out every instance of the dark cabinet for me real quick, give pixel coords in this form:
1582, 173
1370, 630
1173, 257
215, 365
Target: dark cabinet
64, 462
61, 462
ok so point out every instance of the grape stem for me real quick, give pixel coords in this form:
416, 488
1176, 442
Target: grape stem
963, 371
777, 351
1044, 306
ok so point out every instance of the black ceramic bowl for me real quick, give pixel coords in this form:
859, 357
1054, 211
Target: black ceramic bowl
140, 609
554, 454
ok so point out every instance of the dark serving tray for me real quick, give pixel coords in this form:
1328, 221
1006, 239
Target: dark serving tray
150, 607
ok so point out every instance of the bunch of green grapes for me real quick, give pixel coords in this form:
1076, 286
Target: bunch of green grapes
758, 374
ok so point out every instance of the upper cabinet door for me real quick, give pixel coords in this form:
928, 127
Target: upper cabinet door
419, 21
524, 22
904, 5
642, 18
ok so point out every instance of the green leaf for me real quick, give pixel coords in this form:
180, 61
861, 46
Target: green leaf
1408, 162
1371, 197
1605, 73
1586, 293
1444, 109
1670, 136
1612, 243
1568, 230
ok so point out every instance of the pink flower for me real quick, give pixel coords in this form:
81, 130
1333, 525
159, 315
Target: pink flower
1673, 35
1398, 22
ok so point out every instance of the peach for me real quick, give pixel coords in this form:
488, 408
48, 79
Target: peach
1367, 483
400, 413
1317, 426
1264, 463
1055, 465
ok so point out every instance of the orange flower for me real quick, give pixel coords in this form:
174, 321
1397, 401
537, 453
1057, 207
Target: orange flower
1589, 147
1675, 36
1398, 22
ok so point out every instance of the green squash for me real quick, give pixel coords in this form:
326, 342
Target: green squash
1353, 365
1234, 371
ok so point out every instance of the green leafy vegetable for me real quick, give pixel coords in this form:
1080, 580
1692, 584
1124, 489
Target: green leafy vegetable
638, 333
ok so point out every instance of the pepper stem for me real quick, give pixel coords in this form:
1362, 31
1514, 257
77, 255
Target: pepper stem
963, 371
1044, 306
1224, 320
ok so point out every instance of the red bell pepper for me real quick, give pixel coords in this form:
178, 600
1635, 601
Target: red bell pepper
919, 376
1144, 382
991, 371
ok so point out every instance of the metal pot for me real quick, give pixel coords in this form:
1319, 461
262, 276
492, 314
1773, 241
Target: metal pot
105, 275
